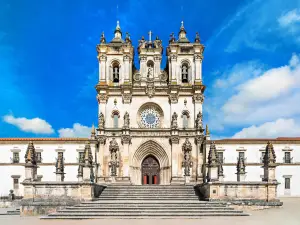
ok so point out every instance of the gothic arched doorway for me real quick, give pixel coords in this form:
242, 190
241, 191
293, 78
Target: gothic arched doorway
150, 170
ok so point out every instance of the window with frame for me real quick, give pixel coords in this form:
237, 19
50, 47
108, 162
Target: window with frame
241, 155
16, 158
287, 157
38, 157
116, 72
80, 157
220, 157
185, 73
287, 183
116, 120
16, 183
185, 121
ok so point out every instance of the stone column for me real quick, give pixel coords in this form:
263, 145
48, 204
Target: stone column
200, 155
30, 163
213, 164
173, 69
126, 59
102, 68
88, 175
126, 141
269, 164
100, 173
60, 175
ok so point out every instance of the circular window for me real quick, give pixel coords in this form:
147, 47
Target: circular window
150, 116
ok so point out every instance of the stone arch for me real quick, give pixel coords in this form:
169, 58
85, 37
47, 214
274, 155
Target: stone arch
150, 147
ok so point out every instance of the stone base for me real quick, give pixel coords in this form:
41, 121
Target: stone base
36, 207
177, 181
238, 192
114, 180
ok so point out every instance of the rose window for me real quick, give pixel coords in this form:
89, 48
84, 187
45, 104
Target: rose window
150, 115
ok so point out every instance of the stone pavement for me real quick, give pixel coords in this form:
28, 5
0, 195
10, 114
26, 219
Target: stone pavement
289, 214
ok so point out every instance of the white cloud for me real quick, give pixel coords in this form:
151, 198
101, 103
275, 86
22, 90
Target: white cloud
290, 18
35, 125
249, 94
278, 128
78, 130
265, 97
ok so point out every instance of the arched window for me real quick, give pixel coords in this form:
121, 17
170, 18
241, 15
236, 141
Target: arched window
185, 73
115, 116
185, 118
116, 72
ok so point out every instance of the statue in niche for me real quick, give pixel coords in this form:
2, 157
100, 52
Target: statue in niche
199, 120
150, 72
174, 120
101, 120
126, 120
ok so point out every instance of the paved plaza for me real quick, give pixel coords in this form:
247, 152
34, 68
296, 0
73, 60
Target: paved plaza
289, 214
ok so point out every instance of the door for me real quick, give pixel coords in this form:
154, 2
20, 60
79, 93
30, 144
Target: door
150, 170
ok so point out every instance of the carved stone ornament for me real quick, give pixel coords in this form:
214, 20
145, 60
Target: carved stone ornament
198, 98
150, 89
198, 57
102, 57
102, 140
173, 98
101, 98
198, 140
174, 139
163, 76
174, 123
126, 57
101, 120
137, 77
126, 120
174, 57
127, 97
125, 139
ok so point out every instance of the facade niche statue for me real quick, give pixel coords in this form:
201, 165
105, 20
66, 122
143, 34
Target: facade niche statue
114, 159
198, 121
174, 123
101, 120
187, 161
126, 120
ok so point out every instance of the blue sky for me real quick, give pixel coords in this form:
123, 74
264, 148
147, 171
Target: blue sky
48, 64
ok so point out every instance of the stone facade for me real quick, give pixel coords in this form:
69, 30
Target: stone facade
145, 113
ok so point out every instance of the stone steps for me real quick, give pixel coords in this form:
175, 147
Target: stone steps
133, 202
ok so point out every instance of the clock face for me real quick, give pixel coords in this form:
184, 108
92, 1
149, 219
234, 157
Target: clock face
150, 118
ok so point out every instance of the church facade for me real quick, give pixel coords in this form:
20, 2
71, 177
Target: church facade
150, 129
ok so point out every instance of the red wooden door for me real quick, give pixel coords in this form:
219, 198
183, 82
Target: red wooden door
150, 170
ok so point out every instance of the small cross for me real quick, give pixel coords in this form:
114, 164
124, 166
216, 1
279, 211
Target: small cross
150, 33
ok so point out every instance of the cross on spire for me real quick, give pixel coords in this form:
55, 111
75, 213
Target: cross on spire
150, 33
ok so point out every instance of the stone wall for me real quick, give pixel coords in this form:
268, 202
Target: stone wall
239, 192
41, 198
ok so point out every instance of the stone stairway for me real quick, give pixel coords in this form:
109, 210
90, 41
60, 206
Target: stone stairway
138, 202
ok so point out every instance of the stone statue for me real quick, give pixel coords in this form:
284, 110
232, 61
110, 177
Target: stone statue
102, 40
126, 120
174, 120
101, 120
199, 120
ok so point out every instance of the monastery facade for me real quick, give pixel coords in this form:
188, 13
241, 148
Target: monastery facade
150, 129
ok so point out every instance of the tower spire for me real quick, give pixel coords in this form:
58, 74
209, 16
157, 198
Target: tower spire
182, 34
118, 34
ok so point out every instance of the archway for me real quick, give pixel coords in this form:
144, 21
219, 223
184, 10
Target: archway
150, 148
150, 170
